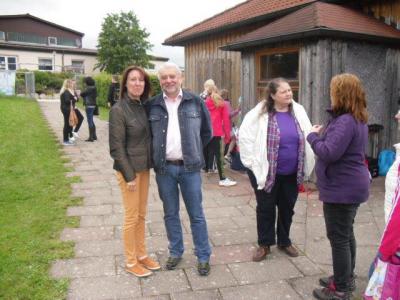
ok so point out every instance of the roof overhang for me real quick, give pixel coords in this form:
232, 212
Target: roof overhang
267, 17
38, 48
29, 16
313, 33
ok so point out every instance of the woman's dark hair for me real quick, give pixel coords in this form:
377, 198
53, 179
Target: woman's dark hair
89, 81
271, 89
147, 87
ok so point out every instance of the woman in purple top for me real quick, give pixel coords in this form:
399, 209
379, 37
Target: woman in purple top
342, 179
273, 148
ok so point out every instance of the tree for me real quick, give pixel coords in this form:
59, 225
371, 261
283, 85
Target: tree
122, 43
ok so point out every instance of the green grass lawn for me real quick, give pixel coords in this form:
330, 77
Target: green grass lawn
34, 195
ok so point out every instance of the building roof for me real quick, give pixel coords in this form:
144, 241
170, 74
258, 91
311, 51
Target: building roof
44, 48
42, 21
319, 19
244, 13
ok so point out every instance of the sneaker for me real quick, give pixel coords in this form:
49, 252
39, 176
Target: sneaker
149, 264
203, 268
138, 270
75, 134
172, 262
227, 182
68, 143
72, 139
328, 281
331, 293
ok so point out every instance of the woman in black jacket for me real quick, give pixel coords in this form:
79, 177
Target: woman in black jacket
89, 101
129, 137
67, 99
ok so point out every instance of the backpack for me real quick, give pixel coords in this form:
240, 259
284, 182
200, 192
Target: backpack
385, 161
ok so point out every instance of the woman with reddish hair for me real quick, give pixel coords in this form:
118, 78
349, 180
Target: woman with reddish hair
342, 179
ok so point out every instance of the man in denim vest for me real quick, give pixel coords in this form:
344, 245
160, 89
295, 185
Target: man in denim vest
180, 126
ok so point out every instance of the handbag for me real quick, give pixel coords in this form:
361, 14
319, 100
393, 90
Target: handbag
96, 111
384, 282
73, 118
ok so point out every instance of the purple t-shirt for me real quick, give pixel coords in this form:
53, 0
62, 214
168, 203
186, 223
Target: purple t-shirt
288, 144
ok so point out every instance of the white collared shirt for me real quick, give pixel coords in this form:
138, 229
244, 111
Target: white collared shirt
174, 146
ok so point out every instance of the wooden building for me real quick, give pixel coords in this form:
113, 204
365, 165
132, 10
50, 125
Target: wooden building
306, 42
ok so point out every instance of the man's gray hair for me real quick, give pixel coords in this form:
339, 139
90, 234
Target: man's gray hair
169, 65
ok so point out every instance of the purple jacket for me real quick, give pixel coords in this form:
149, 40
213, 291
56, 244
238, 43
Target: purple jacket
342, 176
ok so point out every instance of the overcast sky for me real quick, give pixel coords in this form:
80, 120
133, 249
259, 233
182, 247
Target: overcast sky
161, 18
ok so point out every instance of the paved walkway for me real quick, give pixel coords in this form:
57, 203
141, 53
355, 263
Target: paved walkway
96, 271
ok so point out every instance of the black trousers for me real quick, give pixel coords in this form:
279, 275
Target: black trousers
67, 130
339, 220
213, 149
282, 196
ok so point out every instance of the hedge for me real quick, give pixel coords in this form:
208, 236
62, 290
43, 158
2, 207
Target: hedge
51, 83
103, 81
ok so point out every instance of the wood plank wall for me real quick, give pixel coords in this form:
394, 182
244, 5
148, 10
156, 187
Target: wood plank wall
204, 60
389, 9
319, 62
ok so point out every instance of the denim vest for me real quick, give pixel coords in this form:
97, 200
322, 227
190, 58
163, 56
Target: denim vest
195, 128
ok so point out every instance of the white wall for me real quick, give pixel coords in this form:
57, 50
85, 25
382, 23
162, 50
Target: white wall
30, 59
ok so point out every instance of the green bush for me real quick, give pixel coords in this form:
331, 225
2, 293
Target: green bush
155, 85
103, 82
49, 82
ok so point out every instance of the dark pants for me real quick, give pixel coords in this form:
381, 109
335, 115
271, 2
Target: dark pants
67, 130
80, 120
213, 149
339, 220
283, 195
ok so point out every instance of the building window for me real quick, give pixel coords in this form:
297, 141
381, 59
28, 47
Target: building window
52, 41
278, 63
45, 64
21, 37
8, 63
2, 35
78, 66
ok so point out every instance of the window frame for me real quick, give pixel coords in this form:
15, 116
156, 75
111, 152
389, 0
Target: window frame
5, 65
45, 58
262, 83
50, 38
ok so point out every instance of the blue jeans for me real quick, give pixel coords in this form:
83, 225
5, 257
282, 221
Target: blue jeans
89, 115
189, 183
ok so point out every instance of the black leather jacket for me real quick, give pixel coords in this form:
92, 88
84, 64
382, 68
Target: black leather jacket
89, 96
129, 138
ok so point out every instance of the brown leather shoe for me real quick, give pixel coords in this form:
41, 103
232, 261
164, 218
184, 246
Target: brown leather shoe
261, 253
289, 250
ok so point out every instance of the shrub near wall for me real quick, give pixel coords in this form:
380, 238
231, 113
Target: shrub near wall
49, 82
103, 81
